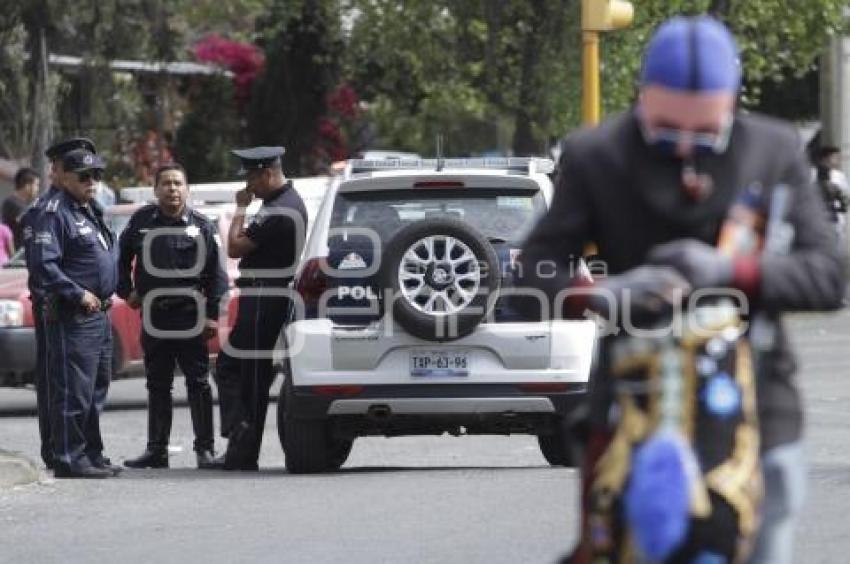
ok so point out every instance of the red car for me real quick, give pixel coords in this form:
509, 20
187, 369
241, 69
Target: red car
17, 335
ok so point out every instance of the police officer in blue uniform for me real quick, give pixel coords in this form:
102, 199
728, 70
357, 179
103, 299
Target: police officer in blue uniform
28, 222
75, 260
184, 262
269, 249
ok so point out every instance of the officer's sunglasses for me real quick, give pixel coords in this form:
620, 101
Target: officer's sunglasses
669, 138
87, 175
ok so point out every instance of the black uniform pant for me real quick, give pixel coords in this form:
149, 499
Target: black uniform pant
42, 383
244, 375
80, 368
192, 356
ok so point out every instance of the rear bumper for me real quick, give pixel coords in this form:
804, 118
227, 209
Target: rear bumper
309, 402
18, 354
441, 406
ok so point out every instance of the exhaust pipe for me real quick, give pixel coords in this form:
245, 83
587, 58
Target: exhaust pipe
379, 412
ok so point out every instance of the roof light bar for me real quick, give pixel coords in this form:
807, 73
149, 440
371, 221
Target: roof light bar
527, 165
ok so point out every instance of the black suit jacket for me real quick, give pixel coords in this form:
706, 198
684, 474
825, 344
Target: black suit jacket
614, 190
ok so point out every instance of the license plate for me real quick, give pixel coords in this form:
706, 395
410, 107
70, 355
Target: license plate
439, 363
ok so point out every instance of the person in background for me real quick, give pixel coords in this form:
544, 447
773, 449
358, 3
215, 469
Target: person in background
184, 262
29, 220
833, 185
26, 190
7, 244
268, 249
75, 256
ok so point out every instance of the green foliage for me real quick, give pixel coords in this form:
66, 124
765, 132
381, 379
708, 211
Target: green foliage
513, 68
302, 43
779, 40
208, 133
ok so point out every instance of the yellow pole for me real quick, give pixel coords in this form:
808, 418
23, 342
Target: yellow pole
590, 78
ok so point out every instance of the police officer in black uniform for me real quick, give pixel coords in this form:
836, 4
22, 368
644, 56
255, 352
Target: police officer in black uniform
75, 259
184, 267
269, 249
28, 222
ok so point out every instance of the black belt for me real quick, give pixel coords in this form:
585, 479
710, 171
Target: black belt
173, 302
263, 282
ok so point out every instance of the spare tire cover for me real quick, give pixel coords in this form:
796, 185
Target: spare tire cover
440, 275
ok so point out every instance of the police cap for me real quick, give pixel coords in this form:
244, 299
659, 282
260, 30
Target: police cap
58, 150
257, 158
79, 160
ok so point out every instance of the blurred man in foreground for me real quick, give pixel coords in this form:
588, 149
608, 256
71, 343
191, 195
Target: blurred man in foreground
652, 188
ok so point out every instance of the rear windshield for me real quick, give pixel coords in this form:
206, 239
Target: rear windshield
499, 214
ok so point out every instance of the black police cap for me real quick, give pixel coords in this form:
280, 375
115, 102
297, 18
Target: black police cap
58, 150
80, 160
257, 158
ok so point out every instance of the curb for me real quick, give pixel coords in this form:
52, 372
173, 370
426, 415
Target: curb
16, 470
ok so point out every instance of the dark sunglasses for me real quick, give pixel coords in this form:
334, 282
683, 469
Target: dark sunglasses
87, 175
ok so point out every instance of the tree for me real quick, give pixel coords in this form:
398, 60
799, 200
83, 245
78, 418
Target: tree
774, 46
483, 72
303, 46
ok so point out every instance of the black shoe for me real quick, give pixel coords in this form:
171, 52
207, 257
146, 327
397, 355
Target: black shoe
217, 463
106, 464
207, 460
232, 464
86, 472
149, 459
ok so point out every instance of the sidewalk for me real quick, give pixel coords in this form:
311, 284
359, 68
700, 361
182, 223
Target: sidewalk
16, 470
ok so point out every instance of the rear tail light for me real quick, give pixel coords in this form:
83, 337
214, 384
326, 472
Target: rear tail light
337, 390
311, 284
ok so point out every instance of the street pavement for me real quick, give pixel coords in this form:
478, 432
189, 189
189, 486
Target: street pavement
434, 499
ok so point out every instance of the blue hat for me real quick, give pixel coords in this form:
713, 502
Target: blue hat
693, 54
80, 160
258, 157
58, 150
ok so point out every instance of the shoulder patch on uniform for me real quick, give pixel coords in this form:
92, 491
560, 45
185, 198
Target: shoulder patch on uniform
52, 205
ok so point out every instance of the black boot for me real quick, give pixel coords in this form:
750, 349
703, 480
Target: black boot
240, 443
159, 430
200, 406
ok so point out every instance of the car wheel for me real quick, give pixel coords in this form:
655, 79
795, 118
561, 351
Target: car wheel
339, 451
304, 445
307, 444
557, 447
441, 275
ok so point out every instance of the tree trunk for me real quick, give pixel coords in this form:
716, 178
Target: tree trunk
524, 143
41, 108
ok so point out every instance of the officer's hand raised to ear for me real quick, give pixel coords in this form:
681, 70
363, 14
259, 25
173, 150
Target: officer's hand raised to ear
90, 302
244, 198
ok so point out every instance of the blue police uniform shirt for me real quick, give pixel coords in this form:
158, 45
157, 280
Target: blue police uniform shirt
29, 221
74, 250
176, 253
275, 231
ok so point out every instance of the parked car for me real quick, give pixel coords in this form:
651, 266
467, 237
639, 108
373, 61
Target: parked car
17, 335
404, 325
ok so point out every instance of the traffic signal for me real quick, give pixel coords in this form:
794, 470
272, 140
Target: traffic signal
606, 15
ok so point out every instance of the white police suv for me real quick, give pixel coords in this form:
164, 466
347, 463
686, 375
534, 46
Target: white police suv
404, 324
